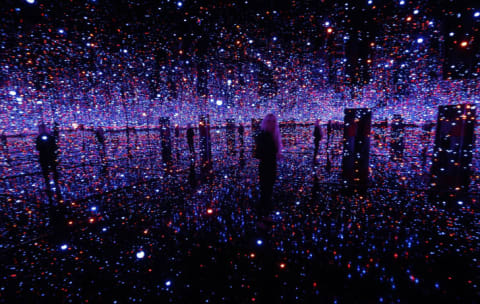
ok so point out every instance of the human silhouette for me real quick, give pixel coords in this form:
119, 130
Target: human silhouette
267, 149
317, 137
47, 149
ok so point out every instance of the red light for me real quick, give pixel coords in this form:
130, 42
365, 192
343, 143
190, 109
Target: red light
464, 44
329, 30
209, 210
282, 265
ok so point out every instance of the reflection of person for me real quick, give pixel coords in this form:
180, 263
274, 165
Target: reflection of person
47, 148
241, 130
268, 150
100, 136
190, 135
317, 137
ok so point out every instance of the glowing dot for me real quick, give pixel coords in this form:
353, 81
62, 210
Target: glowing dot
282, 265
93, 208
168, 283
209, 210
420, 40
61, 31
415, 12
330, 30
476, 14
74, 125
30, 1
464, 44
259, 242
219, 102
44, 137
451, 34
140, 254
229, 82
460, 203
64, 247
370, 2
179, 3
402, 2
12, 93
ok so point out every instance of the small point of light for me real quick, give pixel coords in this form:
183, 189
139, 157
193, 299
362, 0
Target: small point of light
420, 40
259, 242
476, 14
282, 265
330, 30
31, 1
12, 93
219, 102
229, 82
61, 31
402, 2
140, 254
93, 208
460, 203
451, 34
370, 2
464, 44
74, 125
168, 283
179, 3
209, 210
415, 12
64, 247
44, 137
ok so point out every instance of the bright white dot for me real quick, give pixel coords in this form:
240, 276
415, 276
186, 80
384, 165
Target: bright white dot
179, 3
476, 14
402, 2
370, 2
93, 208
64, 247
31, 1
259, 242
415, 12
274, 38
219, 102
229, 82
140, 254
44, 137
168, 283
327, 23
460, 203
451, 34
420, 40
61, 31
250, 41
12, 93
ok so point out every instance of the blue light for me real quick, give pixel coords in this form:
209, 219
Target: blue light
402, 2
219, 102
420, 40
451, 34
93, 208
415, 12
437, 286
179, 3
31, 1
61, 31
370, 2
259, 242
168, 283
44, 137
64, 247
12, 93
140, 254
460, 203
476, 14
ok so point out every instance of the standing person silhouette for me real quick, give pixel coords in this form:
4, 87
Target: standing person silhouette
317, 137
47, 148
190, 135
241, 130
267, 149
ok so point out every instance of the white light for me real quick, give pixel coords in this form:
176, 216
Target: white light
93, 208
179, 3
370, 2
64, 247
259, 242
420, 40
140, 254
61, 31
415, 12
44, 137
460, 203
30, 1
327, 23
229, 82
168, 283
476, 14
451, 34
12, 93
219, 102
402, 2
